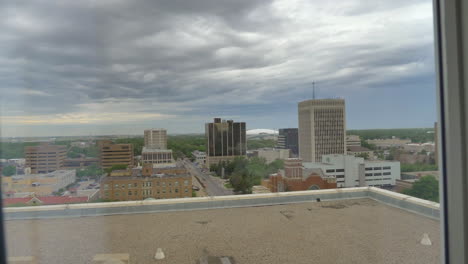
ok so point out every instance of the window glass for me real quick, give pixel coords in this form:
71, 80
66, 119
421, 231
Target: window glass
296, 130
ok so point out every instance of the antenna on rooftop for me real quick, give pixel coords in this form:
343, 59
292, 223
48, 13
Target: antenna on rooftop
313, 90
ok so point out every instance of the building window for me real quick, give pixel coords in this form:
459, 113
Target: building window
135, 184
186, 190
106, 186
339, 170
176, 190
116, 194
387, 168
176, 183
339, 176
368, 174
387, 173
186, 183
330, 170
123, 186
377, 168
129, 192
368, 169
377, 174
116, 186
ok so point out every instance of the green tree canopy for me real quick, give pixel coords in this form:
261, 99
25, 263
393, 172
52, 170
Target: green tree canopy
418, 167
116, 167
9, 170
92, 171
427, 188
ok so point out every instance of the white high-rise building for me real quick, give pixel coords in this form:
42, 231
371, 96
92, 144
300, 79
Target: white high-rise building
156, 138
322, 128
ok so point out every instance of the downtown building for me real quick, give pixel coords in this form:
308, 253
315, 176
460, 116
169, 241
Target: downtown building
111, 154
45, 158
351, 171
288, 139
322, 128
155, 138
155, 149
295, 177
225, 140
172, 181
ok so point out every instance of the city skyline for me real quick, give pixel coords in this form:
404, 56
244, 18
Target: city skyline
81, 69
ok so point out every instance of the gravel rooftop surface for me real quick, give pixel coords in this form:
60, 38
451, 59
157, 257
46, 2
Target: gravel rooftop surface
345, 231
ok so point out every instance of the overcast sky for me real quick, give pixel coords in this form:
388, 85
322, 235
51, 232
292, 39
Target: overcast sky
118, 67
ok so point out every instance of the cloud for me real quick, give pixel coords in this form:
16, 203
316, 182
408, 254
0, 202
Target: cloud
172, 58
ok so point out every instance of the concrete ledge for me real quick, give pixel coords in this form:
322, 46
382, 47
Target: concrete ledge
405, 202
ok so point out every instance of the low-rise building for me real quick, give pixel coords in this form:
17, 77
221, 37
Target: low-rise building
294, 177
40, 184
359, 151
200, 157
147, 182
44, 200
418, 147
353, 140
353, 171
389, 142
79, 163
156, 156
272, 154
17, 162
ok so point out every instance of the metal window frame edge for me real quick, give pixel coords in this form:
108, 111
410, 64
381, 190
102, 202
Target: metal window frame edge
451, 48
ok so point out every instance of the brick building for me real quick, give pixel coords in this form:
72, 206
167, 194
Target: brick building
147, 182
295, 177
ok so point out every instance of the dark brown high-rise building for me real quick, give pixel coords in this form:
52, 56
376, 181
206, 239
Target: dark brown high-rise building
288, 139
111, 154
225, 140
45, 158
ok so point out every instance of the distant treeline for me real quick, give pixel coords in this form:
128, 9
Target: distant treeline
16, 150
417, 135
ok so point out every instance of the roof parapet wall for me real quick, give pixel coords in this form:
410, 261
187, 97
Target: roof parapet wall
415, 205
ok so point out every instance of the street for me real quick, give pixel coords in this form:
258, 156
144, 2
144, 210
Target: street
213, 186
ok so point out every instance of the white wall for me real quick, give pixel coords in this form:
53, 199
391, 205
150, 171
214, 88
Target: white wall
333, 165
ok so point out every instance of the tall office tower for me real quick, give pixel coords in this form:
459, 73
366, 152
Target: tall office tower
45, 158
288, 139
114, 154
156, 138
225, 140
322, 128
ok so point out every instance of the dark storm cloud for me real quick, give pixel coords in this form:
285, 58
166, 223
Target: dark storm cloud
174, 56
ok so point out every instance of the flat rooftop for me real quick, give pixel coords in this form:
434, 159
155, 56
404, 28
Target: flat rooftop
155, 150
360, 230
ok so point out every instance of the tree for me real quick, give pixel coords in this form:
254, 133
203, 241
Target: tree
92, 171
418, 167
364, 155
9, 170
116, 167
427, 188
241, 182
